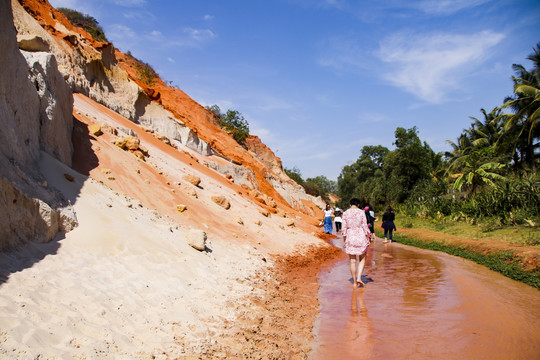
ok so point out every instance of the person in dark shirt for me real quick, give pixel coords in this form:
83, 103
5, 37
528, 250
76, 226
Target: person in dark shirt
388, 224
370, 216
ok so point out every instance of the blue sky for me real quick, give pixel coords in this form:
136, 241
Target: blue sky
319, 79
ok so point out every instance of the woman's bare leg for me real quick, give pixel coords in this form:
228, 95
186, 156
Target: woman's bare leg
360, 269
353, 262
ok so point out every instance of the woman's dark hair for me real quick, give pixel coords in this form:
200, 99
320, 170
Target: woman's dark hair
354, 201
389, 209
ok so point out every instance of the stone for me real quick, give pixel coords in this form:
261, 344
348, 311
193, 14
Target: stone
181, 208
139, 154
143, 150
32, 43
289, 223
281, 213
196, 238
132, 143
121, 143
240, 221
189, 190
109, 129
195, 180
221, 201
95, 129
163, 139
72, 39
258, 222
69, 177
264, 212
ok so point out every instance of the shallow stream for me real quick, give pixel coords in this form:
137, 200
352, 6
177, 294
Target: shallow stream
421, 304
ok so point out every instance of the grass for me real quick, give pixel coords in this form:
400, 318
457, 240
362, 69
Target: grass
521, 235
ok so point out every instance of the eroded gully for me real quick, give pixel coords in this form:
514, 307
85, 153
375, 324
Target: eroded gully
421, 304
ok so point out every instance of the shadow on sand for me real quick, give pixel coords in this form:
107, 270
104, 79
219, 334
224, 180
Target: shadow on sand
22, 256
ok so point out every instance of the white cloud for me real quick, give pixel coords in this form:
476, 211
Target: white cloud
373, 117
342, 52
70, 4
81, 6
171, 60
200, 34
433, 66
129, 3
208, 17
445, 7
261, 132
140, 15
119, 32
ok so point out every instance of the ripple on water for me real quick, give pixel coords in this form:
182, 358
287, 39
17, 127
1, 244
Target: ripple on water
422, 304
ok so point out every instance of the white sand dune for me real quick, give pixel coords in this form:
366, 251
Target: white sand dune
123, 283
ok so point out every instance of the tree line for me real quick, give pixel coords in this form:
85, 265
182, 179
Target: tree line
489, 175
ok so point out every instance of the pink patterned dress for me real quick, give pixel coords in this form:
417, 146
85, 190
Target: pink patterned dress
355, 228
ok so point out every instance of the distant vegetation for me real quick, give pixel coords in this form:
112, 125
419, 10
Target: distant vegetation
490, 177
87, 22
233, 122
317, 186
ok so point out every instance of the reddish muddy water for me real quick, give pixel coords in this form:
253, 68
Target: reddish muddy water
421, 304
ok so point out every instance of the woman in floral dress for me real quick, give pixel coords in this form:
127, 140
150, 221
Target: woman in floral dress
357, 237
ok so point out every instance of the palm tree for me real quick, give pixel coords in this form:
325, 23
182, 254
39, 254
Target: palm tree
526, 104
460, 150
475, 172
486, 133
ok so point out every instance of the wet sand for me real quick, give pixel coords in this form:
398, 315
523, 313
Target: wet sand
420, 304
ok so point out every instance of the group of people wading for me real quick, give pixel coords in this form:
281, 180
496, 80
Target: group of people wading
357, 226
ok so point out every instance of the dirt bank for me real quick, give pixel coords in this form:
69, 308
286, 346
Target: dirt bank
277, 323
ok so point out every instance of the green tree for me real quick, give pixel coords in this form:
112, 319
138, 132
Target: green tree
233, 122
215, 109
488, 131
364, 178
408, 164
326, 185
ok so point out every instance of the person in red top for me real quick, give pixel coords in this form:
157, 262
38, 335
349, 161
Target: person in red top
357, 237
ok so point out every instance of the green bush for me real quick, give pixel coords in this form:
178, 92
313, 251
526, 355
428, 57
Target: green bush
86, 22
233, 122
147, 74
295, 174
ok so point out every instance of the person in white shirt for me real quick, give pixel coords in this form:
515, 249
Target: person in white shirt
328, 212
337, 219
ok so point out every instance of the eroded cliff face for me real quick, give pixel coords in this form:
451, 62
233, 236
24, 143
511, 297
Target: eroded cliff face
35, 109
293, 193
44, 60
110, 77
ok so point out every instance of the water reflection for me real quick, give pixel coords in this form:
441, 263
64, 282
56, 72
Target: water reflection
424, 305
358, 307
